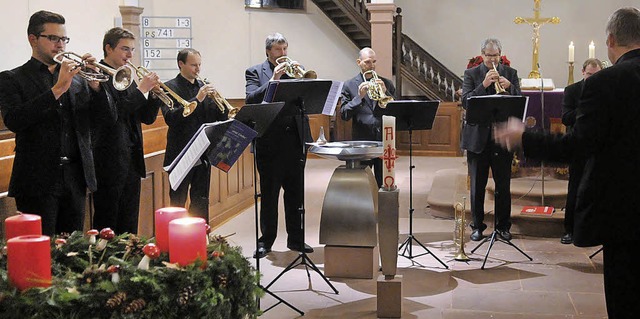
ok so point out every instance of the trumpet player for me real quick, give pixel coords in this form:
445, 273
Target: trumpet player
278, 154
51, 111
358, 106
482, 151
182, 128
118, 150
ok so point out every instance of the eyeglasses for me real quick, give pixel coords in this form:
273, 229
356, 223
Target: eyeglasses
54, 38
492, 55
128, 49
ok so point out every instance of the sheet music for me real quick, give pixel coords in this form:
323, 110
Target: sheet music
198, 146
332, 98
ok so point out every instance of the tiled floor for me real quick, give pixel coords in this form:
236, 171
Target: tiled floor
560, 282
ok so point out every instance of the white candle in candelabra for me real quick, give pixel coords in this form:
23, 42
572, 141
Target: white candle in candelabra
389, 154
571, 52
592, 50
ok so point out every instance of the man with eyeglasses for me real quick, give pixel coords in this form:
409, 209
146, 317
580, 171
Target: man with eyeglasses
118, 152
482, 152
51, 110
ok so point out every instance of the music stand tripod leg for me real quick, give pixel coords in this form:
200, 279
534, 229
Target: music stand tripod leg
408, 243
595, 253
302, 258
257, 195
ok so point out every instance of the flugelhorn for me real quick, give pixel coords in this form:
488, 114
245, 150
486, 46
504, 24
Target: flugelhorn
497, 85
222, 103
296, 71
121, 78
458, 232
375, 90
189, 107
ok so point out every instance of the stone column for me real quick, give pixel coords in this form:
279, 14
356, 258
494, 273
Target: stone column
382, 13
131, 21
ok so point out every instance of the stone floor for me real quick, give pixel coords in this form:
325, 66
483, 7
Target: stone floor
560, 282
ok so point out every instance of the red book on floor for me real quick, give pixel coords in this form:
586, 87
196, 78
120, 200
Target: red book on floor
538, 210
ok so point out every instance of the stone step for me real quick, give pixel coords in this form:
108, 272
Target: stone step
450, 186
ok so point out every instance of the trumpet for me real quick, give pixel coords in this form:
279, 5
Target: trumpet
121, 78
497, 85
188, 107
296, 71
458, 233
222, 103
375, 91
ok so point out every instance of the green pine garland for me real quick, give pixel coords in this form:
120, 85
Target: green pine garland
82, 287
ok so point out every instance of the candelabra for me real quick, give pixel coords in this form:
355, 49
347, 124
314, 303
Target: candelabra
570, 80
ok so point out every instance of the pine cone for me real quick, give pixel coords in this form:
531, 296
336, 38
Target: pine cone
222, 281
134, 306
116, 300
134, 246
185, 295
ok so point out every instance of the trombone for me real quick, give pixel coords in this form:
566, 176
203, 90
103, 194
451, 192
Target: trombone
221, 102
497, 85
374, 89
296, 71
189, 107
121, 78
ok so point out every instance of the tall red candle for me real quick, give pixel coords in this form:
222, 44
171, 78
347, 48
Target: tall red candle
22, 224
187, 240
163, 217
29, 261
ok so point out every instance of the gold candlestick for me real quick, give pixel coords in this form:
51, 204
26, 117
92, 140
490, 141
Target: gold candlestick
570, 80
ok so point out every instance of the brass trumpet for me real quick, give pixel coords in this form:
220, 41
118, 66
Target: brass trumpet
222, 103
375, 91
121, 78
189, 107
296, 71
497, 85
458, 234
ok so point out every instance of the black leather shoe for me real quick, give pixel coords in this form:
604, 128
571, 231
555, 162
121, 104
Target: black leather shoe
476, 235
296, 247
567, 239
261, 251
505, 234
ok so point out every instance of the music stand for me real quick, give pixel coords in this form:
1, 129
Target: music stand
595, 253
259, 117
411, 116
303, 97
486, 110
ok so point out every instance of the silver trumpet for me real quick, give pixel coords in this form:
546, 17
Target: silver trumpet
121, 78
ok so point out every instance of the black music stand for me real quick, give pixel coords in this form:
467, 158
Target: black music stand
259, 117
486, 110
595, 253
303, 97
412, 116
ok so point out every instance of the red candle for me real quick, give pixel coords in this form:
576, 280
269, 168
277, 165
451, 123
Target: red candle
163, 217
22, 224
187, 240
29, 261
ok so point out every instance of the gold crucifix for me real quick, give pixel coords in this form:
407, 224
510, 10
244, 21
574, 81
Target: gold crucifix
536, 22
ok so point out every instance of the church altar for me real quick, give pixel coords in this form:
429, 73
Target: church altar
552, 109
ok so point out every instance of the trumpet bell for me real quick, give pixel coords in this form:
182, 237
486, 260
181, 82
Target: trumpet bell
122, 78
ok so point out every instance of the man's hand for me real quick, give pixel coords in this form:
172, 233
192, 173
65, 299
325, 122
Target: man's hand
68, 70
509, 134
148, 82
279, 71
491, 77
90, 63
504, 82
204, 91
363, 88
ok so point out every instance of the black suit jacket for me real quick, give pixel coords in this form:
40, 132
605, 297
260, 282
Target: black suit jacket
181, 128
570, 102
365, 125
257, 80
475, 137
30, 109
605, 134
118, 145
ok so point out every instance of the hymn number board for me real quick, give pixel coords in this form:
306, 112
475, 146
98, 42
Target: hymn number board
162, 38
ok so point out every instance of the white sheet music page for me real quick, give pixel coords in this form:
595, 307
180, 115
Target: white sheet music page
189, 159
332, 98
